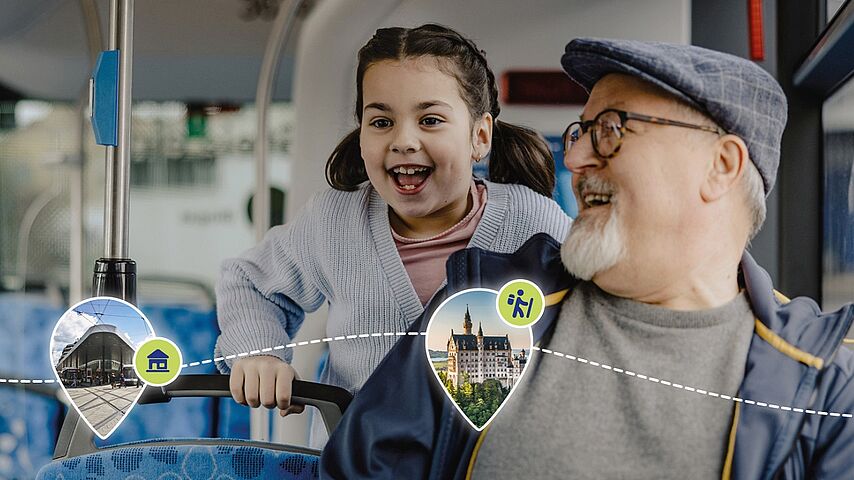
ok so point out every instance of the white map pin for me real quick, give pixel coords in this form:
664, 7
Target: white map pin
478, 358
92, 349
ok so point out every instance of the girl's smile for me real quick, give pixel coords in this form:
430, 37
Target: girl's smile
410, 178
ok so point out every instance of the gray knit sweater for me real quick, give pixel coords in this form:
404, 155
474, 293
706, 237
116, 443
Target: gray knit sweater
340, 249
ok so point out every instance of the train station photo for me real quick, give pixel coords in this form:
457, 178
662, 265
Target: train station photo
93, 347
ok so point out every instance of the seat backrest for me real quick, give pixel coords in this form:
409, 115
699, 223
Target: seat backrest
30, 420
187, 459
77, 456
30, 413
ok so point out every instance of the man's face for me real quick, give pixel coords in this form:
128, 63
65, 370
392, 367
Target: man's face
635, 209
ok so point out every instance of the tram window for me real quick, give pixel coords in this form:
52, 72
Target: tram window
838, 255
38, 151
179, 145
190, 183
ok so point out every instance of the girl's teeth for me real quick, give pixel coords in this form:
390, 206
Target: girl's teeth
409, 171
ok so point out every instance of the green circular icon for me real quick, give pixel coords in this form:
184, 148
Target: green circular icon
520, 303
157, 361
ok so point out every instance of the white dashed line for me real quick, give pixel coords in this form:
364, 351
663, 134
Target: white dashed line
544, 350
691, 389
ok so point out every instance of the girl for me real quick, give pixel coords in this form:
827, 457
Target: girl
403, 198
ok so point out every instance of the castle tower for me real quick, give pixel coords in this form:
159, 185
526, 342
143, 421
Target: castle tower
481, 355
467, 322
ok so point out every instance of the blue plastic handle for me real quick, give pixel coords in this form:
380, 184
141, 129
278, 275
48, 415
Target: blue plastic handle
105, 98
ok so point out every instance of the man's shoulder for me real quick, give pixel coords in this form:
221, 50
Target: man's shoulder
822, 336
842, 367
808, 328
844, 359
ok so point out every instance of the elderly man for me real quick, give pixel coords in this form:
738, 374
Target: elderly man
671, 356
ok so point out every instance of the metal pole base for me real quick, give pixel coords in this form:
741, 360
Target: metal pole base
115, 277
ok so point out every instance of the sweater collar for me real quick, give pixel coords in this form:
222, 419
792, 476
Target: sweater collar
494, 216
402, 290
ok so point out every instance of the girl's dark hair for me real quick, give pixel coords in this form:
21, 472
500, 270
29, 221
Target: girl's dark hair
519, 155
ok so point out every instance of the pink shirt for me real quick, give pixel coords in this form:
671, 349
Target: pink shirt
424, 259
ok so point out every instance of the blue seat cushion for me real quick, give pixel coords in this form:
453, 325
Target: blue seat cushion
230, 459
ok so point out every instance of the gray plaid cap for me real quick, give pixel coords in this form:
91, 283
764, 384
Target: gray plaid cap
737, 94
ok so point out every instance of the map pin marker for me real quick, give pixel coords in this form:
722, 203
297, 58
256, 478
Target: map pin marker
477, 356
92, 350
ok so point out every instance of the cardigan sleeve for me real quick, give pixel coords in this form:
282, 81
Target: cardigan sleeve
263, 295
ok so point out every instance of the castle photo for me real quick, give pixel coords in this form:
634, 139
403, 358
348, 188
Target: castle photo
477, 358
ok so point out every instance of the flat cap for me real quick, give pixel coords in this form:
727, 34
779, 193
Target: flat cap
737, 94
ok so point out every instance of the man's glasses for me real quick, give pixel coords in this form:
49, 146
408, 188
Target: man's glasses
609, 127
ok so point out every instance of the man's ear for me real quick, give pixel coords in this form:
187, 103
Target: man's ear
726, 168
482, 136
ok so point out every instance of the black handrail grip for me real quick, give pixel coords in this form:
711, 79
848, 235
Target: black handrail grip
75, 438
210, 385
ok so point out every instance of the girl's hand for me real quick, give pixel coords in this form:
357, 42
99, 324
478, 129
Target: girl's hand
264, 380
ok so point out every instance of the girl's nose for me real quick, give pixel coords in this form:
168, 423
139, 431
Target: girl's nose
405, 141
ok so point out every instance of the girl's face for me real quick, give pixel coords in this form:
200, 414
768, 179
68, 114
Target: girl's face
418, 143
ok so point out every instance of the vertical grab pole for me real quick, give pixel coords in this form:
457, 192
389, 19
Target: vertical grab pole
282, 27
115, 273
259, 420
116, 218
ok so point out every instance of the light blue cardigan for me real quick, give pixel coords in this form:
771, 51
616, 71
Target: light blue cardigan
340, 249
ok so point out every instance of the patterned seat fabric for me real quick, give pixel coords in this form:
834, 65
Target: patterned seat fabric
219, 462
29, 421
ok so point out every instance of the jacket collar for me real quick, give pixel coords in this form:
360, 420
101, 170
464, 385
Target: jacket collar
537, 260
792, 342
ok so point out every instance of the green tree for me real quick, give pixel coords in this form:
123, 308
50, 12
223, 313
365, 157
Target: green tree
480, 400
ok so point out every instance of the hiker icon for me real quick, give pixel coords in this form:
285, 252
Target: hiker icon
518, 302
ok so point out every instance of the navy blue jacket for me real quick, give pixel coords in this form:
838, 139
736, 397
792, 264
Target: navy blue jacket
402, 425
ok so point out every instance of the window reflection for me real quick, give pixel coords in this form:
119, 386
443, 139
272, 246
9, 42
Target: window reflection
838, 120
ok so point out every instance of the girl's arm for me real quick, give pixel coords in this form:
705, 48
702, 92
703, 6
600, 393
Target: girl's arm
263, 295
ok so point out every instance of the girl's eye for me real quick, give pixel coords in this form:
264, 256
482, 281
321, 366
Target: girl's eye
381, 123
431, 121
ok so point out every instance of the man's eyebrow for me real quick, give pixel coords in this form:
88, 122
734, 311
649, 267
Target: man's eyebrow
617, 104
379, 106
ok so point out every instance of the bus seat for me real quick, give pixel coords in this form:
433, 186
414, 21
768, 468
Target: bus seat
77, 456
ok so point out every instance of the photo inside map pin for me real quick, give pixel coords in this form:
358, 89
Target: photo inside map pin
91, 350
476, 357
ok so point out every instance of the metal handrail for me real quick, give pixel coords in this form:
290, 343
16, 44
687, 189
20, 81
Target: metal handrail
116, 194
282, 28
259, 421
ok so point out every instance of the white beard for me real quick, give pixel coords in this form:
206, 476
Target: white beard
593, 245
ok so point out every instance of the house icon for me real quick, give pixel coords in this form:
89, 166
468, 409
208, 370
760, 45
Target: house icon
157, 362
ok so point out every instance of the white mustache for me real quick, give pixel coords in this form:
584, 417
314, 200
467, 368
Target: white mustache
591, 184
